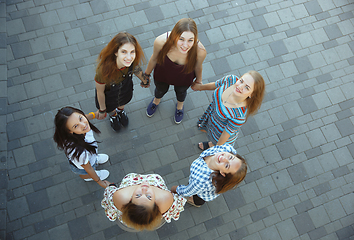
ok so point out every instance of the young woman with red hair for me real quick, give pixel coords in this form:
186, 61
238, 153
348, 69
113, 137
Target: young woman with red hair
114, 73
176, 60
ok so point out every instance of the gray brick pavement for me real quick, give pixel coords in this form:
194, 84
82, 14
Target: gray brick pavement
299, 145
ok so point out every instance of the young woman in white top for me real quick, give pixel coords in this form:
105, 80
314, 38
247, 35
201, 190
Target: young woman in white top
74, 135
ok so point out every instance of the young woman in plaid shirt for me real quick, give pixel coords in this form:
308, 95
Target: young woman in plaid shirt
217, 170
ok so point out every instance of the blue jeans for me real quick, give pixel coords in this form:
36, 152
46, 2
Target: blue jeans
80, 171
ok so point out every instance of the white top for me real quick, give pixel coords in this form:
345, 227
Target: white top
86, 156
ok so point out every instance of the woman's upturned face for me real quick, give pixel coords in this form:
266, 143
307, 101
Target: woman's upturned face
226, 162
78, 123
244, 86
144, 195
185, 42
125, 55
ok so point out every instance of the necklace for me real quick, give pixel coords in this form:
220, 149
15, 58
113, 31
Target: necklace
235, 104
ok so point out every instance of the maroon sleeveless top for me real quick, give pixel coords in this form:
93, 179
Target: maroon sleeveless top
172, 73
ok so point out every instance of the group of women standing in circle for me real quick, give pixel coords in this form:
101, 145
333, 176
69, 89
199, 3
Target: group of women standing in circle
144, 201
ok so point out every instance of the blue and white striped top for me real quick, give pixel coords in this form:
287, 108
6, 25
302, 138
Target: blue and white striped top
218, 117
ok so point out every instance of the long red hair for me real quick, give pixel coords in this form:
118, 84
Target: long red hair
107, 59
185, 24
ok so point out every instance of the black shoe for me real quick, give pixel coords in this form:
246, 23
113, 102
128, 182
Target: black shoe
123, 118
115, 124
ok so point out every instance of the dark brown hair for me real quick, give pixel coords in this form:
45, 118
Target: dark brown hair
185, 24
107, 59
230, 181
141, 217
71, 142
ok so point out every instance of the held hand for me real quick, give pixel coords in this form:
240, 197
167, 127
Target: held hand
96, 114
196, 86
143, 85
101, 116
173, 189
146, 82
104, 183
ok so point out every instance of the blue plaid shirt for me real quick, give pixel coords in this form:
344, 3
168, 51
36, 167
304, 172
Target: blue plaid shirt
199, 180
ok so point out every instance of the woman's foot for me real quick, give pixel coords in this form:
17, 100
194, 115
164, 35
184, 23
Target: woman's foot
151, 109
201, 128
205, 145
102, 174
123, 118
115, 123
179, 115
102, 158
191, 202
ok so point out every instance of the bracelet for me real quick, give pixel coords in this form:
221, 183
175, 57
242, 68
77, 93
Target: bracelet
145, 84
98, 180
93, 114
101, 111
147, 80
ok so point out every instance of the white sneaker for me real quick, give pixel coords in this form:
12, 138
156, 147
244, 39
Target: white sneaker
102, 174
102, 158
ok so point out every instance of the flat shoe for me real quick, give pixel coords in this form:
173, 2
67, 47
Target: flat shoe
102, 158
192, 203
102, 174
205, 146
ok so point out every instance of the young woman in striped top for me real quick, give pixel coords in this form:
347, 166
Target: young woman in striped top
234, 100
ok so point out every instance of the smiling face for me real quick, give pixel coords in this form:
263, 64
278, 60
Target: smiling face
78, 124
125, 55
244, 86
185, 42
225, 162
144, 195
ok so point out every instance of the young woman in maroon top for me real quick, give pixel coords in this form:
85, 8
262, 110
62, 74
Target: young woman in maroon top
177, 60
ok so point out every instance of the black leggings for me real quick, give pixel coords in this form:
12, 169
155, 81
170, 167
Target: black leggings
197, 200
162, 88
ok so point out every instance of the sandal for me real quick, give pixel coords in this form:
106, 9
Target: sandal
205, 146
201, 129
192, 203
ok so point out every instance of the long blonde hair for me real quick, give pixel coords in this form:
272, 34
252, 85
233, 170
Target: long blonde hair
255, 101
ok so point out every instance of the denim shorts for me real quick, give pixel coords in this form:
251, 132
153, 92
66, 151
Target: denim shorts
81, 171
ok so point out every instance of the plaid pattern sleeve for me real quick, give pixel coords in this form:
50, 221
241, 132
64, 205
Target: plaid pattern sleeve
199, 180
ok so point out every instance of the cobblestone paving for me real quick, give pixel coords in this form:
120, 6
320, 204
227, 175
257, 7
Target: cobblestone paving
299, 146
